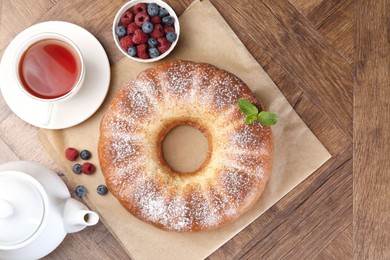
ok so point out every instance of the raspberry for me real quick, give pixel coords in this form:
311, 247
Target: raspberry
155, 19
168, 28
88, 168
126, 42
126, 18
140, 37
140, 8
71, 154
163, 44
140, 18
158, 31
131, 28
142, 51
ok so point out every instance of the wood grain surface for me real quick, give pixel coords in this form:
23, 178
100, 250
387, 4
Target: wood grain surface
331, 60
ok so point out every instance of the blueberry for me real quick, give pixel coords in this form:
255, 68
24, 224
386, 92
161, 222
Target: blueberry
153, 9
132, 51
163, 12
102, 189
77, 168
85, 154
153, 52
147, 27
152, 42
171, 36
168, 20
120, 31
80, 191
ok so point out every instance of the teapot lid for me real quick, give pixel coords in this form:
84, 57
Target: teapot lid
22, 209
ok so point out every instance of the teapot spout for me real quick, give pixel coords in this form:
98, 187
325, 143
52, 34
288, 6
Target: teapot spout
77, 216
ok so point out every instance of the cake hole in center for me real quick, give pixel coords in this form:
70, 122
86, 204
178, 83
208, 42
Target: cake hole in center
185, 149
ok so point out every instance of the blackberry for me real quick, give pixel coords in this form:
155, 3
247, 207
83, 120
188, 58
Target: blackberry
120, 31
153, 9
168, 20
85, 154
147, 27
152, 42
77, 168
171, 36
102, 189
132, 51
163, 12
80, 191
153, 52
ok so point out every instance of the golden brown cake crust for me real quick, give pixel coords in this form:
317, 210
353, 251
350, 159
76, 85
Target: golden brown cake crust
239, 160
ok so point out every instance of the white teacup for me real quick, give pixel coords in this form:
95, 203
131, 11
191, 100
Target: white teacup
49, 67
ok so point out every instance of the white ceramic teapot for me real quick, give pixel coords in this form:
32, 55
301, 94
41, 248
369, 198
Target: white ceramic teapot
36, 211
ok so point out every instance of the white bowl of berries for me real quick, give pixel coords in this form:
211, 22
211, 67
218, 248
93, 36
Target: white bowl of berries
146, 30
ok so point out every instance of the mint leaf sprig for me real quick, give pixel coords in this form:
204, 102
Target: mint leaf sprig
252, 114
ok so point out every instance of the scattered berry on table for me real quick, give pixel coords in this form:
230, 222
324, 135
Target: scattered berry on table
140, 8
132, 51
153, 52
152, 42
77, 168
142, 51
120, 31
168, 20
153, 9
140, 18
102, 189
71, 153
147, 27
171, 36
131, 28
140, 37
126, 42
158, 31
163, 12
85, 154
127, 17
88, 168
80, 191
155, 19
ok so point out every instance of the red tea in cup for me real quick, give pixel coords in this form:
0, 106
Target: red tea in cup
49, 69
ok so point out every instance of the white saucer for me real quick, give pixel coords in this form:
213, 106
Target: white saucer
87, 100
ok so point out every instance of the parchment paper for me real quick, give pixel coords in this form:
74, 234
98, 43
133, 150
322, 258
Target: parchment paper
205, 37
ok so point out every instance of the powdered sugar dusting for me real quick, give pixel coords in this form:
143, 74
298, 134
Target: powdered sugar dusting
122, 150
236, 184
140, 183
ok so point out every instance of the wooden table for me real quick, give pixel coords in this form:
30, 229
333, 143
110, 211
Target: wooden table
331, 60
